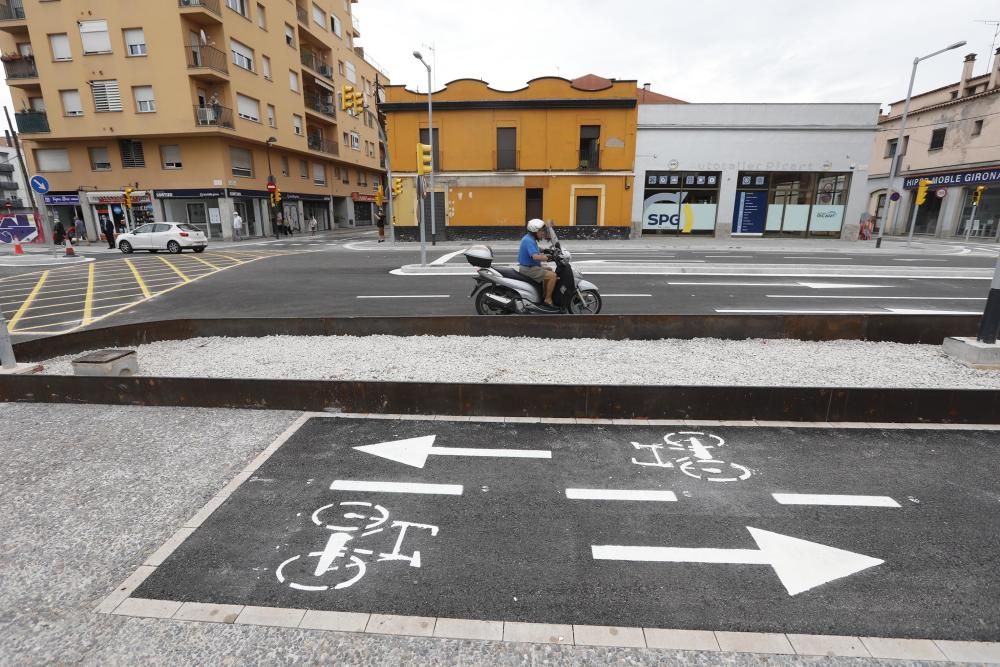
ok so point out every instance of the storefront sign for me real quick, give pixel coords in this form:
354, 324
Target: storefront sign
138, 196
750, 215
957, 179
57, 200
188, 194
299, 196
363, 197
248, 194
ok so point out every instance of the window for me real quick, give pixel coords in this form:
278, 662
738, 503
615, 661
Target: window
242, 161
297, 124
351, 73
37, 103
72, 106
242, 55
289, 35
132, 154
335, 25
94, 35
52, 159
239, 6
937, 139
346, 175
436, 152
248, 108
261, 17
144, 101
270, 116
265, 64
355, 141
303, 169
293, 80
347, 139
107, 96
590, 148
977, 128
170, 156
319, 17
890, 147
362, 177
319, 173
586, 211
99, 159
340, 67
135, 42
284, 166
60, 47
506, 148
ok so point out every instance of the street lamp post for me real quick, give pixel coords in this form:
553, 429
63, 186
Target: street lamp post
897, 154
430, 140
270, 179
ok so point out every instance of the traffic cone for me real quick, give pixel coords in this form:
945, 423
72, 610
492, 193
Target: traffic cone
18, 250
69, 249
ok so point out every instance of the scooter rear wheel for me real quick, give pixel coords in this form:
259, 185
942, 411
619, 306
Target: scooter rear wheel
484, 306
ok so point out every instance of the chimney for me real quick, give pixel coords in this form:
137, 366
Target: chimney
970, 62
646, 86
995, 72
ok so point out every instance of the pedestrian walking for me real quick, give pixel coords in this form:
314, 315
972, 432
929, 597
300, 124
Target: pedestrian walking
380, 222
108, 229
81, 228
237, 227
312, 225
58, 233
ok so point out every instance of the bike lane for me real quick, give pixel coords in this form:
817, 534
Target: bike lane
889, 533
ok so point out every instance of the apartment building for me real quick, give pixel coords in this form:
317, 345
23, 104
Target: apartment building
193, 103
952, 138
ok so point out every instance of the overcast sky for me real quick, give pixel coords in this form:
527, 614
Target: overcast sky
701, 51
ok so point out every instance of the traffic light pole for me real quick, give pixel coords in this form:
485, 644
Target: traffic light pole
388, 166
972, 216
913, 223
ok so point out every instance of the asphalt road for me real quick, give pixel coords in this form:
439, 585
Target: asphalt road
897, 536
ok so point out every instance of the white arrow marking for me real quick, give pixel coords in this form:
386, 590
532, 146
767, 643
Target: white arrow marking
799, 564
414, 451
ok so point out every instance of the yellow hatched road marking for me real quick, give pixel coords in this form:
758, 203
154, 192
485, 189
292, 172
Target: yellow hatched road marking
27, 302
176, 270
233, 259
138, 278
88, 301
209, 264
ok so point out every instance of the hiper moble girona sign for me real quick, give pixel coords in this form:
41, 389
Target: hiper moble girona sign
957, 179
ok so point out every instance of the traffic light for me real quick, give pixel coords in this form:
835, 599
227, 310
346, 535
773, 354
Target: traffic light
276, 197
346, 97
358, 102
978, 195
424, 160
397, 187
922, 191
128, 197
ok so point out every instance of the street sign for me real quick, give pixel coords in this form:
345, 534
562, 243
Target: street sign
894, 196
271, 186
39, 184
941, 192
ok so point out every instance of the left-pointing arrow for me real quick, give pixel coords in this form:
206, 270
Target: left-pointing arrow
414, 451
799, 564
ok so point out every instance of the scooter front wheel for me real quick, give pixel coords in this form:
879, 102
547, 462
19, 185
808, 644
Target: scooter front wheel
487, 306
587, 302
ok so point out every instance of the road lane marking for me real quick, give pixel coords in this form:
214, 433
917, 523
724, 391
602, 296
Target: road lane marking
626, 295
444, 259
406, 296
138, 278
728, 256
88, 300
397, 487
27, 302
621, 494
208, 264
835, 259
834, 500
918, 311
773, 311
867, 296
176, 270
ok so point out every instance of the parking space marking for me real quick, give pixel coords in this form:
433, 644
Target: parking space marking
138, 279
176, 270
27, 302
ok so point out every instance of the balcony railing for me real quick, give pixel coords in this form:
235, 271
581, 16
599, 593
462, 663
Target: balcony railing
210, 5
32, 121
23, 68
323, 105
323, 145
213, 116
12, 11
207, 56
303, 15
507, 159
8, 185
590, 159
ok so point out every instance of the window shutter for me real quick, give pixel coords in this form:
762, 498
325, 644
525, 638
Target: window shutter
335, 23
94, 35
242, 161
107, 96
247, 107
171, 155
352, 74
293, 80
319, 16
72, 105
132, 153
135, 40
319, 172
242, 55
52, 159
144, 100
60, 47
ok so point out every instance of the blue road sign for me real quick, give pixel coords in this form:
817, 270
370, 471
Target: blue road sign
39, 184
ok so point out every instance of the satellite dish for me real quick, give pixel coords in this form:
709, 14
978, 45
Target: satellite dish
203, 36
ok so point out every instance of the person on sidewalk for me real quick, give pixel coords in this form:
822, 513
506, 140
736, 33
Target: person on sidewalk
312, 225
380, 222
108, 229
81, 228
237, 226
530, 258
58, 233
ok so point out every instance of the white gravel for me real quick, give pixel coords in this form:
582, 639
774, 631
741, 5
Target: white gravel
702, 361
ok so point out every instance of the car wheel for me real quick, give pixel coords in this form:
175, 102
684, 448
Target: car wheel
174, 248
125, 247
199, 249
587, 302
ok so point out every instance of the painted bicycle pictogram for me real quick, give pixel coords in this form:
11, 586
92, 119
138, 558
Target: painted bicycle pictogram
699, 459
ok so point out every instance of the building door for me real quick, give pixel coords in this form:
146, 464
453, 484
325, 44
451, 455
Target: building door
927, 215
197, 216
440, 219
246, 210
586, 211
507, 149
533, 203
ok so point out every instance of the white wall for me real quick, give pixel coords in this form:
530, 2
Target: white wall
755, 137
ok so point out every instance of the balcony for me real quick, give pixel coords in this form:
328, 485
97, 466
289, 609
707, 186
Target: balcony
32, 121
12, 18
216, 116
321, 104
8, 185
6, 167
21, 67
207, 62
355, 26
590, 159
205, 12
507, 159
323, 145
315, 63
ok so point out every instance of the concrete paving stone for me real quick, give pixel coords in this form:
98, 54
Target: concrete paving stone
592, 421
630, 422
831, 645
777, 424
121, 593
157, 557
753, 642
463, 628
273, 616
452, 418
737, 422
685, 640
559, 420
343, 621
488, 419
666, 422
903, 649
147, 608
851, 424
984, 652
538, 633
208, 612
603, 635
390, 624
702, 422
522, 420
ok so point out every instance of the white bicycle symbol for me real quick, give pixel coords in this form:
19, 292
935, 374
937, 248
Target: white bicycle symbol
337, 566
698, 461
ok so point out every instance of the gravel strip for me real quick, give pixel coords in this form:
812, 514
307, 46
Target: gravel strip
701, 361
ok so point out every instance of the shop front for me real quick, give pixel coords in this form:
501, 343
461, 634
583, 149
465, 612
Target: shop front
797, 204
254, 208
110, 205
950, 208
364, 203
318, 210
64, 207
680, 202
197, 207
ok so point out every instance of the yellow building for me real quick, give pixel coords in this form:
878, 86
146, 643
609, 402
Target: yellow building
550, 150
179, 99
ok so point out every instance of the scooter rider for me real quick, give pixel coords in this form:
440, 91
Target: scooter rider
530, 260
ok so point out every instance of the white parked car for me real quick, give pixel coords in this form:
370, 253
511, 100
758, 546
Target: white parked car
156, 236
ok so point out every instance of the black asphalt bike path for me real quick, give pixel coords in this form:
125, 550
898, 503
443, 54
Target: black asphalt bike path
514, 547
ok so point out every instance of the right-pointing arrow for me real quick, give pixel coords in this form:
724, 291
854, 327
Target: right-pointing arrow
799, 564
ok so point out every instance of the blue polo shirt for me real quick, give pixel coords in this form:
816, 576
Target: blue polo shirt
529, 247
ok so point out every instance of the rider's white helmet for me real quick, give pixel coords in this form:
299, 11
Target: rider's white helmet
535, 225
